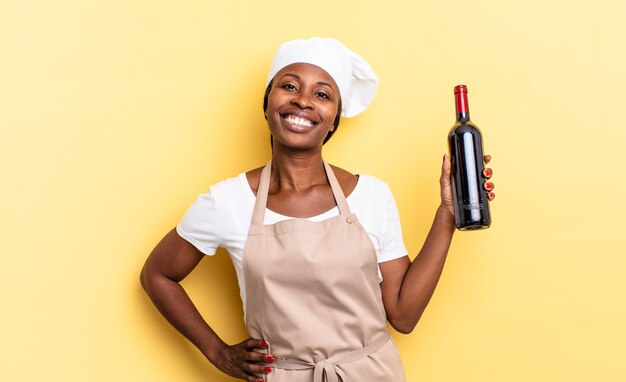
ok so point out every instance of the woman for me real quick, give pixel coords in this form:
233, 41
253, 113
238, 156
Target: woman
318, 283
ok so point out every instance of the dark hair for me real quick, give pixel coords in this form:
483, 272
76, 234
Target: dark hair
330, 133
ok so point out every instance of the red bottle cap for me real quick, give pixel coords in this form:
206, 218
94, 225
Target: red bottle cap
460, 98
460, 89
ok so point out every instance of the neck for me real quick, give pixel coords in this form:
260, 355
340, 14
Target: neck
297, 171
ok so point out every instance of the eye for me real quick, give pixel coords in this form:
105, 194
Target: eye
289, 86
322, 95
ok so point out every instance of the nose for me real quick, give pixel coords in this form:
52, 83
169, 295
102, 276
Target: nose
302, 101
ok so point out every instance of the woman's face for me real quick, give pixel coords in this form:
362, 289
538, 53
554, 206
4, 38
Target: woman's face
302, 106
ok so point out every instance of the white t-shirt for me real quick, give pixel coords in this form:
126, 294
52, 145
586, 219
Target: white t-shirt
222, 217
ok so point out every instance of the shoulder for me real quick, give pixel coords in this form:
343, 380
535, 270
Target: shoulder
234, 188
347, 180
253, 177
370, 186
229, 184
362, 185
227, 198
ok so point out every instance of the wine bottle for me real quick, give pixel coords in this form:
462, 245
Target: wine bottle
471, 203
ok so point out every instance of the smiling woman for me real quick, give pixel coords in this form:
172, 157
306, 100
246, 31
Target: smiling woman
318, 251
335, 122
302, 105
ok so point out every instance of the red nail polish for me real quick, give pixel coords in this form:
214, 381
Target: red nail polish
264, 345
487, 172
491, 195
259, 380
267, 369
488, 186
270, 358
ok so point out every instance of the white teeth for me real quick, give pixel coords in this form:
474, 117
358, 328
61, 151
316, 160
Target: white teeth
298, 121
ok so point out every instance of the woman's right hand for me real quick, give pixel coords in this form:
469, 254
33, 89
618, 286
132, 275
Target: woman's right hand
243, 361
168, 264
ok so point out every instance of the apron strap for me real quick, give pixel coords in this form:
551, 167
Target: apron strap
340, 198
258, 214
326, 370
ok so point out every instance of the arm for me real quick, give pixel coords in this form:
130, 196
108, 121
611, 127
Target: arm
408, 286
169, 263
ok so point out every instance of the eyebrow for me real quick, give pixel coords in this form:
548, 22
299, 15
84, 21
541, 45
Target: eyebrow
298, 78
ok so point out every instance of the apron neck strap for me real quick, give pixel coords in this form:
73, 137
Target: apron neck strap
258, 214
340, 198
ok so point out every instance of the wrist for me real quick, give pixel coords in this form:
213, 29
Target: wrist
446, 215
213, 353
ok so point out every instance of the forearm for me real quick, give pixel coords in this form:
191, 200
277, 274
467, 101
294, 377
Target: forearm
175, 305
424, 272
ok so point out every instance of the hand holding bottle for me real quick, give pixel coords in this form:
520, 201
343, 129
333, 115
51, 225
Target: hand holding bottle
447, 198
471, 193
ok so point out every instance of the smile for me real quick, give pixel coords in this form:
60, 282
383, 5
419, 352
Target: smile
298, 122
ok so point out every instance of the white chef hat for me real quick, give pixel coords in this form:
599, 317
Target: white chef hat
355, 78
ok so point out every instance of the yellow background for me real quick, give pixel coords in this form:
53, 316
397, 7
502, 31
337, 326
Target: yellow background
114, 115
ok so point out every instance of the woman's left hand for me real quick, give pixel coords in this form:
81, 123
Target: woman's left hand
445, 182
487, 174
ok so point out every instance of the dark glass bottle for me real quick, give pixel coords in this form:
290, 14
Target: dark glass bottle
471, 205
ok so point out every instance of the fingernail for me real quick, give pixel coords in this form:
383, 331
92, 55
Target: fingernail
487, 173
267, 369
444, 157
259, 380
487, 158
264, 345
488, 186
491, 195
270, 358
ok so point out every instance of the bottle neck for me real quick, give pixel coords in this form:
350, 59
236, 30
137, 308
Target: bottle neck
462, 106
463, 117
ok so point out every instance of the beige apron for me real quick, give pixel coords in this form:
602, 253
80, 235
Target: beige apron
312, 293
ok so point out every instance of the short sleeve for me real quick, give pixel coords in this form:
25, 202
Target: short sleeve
199, 225
392, 244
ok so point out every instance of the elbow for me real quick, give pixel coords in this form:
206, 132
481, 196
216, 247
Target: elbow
405, 323
152, 280
145, 279
403, 328
406, 330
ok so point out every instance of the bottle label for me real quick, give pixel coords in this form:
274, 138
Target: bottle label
473, 206
470, 171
